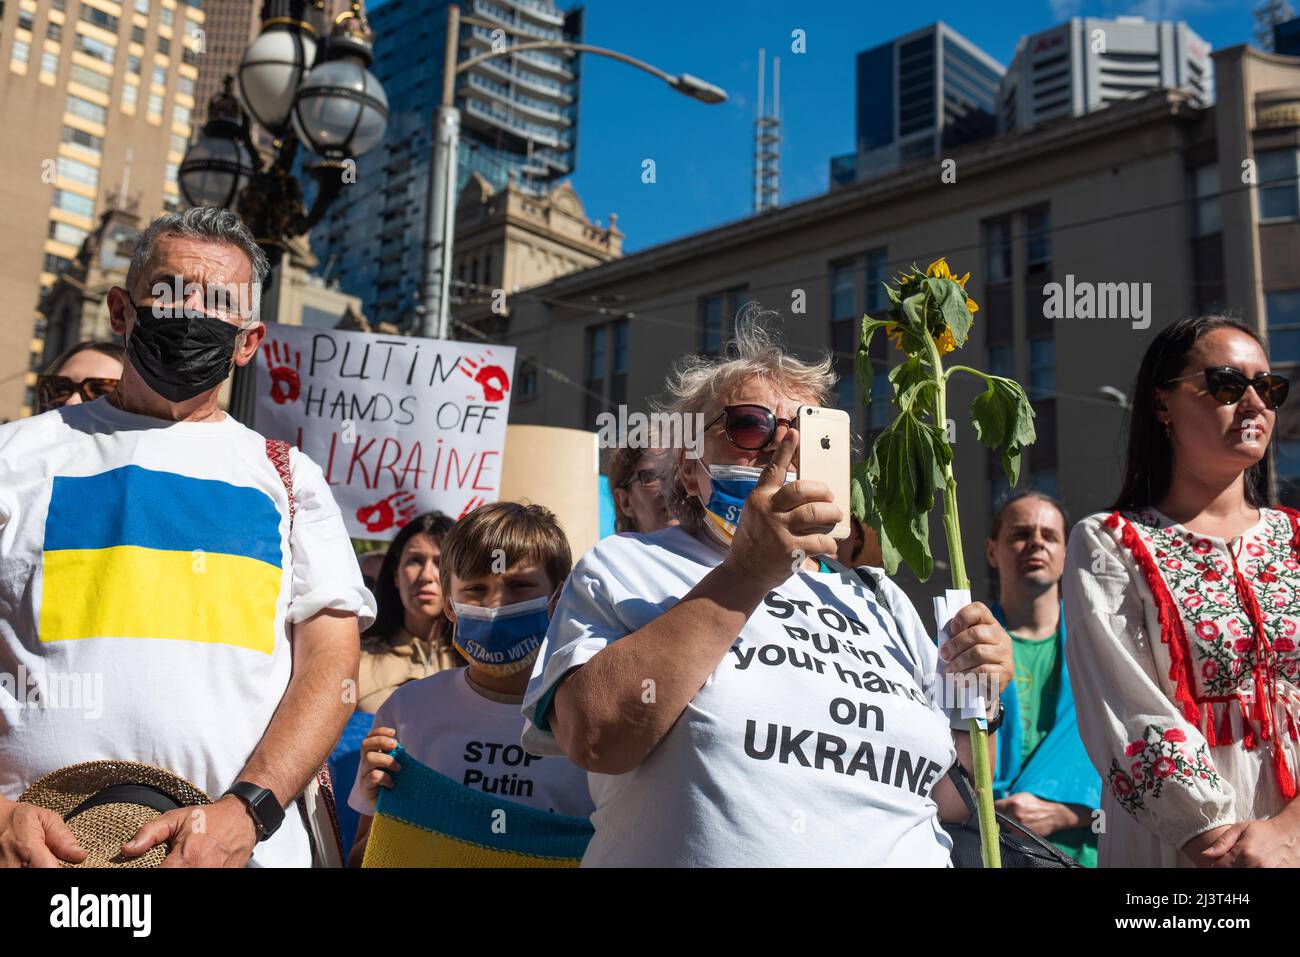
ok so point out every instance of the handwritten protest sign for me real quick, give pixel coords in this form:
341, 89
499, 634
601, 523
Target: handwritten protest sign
399, 425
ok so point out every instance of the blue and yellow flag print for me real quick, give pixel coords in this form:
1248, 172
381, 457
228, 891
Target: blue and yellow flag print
139, 553
426, 819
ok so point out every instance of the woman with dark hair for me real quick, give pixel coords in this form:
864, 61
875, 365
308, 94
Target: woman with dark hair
80, 374
1183, 604
411, 637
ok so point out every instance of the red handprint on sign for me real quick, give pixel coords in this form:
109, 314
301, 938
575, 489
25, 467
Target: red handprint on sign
395, 509
285, 383
492, 378
473, 503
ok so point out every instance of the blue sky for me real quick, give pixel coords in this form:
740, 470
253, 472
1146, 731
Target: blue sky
702, 153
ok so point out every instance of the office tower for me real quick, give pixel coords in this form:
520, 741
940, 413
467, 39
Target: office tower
918, 96
518, 125
1085, 63
96, 99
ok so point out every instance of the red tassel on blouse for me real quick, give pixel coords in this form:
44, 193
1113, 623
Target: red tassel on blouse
1248, 740
1225, 729
1290, 727
1171, 623
1210, 738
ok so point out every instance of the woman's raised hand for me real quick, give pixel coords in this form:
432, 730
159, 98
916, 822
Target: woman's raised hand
778, 528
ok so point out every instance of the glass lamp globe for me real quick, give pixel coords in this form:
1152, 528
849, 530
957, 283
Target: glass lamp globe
215, 170
272, 69
341, 109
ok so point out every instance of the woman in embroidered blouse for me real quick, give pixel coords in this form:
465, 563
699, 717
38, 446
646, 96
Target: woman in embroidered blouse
1183, 603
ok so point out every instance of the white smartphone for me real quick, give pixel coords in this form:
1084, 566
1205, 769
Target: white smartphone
824, 438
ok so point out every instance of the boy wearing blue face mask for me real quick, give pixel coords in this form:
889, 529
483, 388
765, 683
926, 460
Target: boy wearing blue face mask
502, 567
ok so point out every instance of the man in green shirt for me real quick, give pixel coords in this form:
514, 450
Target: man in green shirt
1044, 778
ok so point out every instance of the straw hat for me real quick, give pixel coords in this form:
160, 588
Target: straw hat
105, 803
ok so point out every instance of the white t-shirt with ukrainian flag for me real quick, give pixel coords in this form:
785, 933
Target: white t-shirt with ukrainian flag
148, 582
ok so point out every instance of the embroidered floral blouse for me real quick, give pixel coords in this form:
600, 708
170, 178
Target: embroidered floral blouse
1185, 672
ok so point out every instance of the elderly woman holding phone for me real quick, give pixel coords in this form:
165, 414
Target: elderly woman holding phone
736, 700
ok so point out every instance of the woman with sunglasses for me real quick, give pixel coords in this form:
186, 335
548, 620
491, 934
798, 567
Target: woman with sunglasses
634, 476
81, 374
737, 700
1183, 604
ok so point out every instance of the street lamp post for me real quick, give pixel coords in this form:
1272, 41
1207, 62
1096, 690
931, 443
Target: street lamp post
317, 93
440, 221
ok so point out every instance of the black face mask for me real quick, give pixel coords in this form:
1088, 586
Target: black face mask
180, 355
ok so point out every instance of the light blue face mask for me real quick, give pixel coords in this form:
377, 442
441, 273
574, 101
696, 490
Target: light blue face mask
504, 640
731, 485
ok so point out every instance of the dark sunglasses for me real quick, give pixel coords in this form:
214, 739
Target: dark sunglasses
647, 478
1227, 385
54, 390
749, 427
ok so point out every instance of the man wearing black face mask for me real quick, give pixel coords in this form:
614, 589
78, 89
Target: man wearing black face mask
149, 539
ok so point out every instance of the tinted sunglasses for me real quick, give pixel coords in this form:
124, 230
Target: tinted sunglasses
1227, 385
749, 427
54, 390
647, 478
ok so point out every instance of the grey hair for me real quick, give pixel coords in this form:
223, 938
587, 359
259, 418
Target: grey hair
700, 385
212, 223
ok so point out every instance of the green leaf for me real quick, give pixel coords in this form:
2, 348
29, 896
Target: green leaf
906, 468
946, 307
863, 370
1004, 419
907, 381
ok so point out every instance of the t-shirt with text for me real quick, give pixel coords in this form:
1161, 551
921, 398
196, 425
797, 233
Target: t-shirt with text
812, 743
444, 723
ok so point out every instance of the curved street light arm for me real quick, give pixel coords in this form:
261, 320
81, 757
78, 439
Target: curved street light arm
564, 45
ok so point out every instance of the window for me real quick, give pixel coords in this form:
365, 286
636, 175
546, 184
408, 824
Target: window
1288, 471
21, 51
49, 62
166, 14
879, 406
1044, 480
133, 64
76, 170
59, 5
63, 233
130, 95
1042, 367
88, 77
181, 115
526, 381
160, 75
843, 338
92, 47
164, 45
1038, 239
142, 6
1208, 214
1002, 360
74, 203
24, 20
185, 85
1283, 311
85, 109
56, 264
83, 139
137, 35
155, 105
53, 31
178, 144
169, 174
99, 18
877, 272
716, 316
606, 367
1278, 201
997, 250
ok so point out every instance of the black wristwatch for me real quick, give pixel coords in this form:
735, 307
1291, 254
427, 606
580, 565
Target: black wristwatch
995, 723
262, 805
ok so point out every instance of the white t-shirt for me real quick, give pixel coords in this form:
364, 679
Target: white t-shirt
811, 744
447, 725
148, 582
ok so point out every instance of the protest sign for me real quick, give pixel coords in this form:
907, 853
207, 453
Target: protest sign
400, 425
